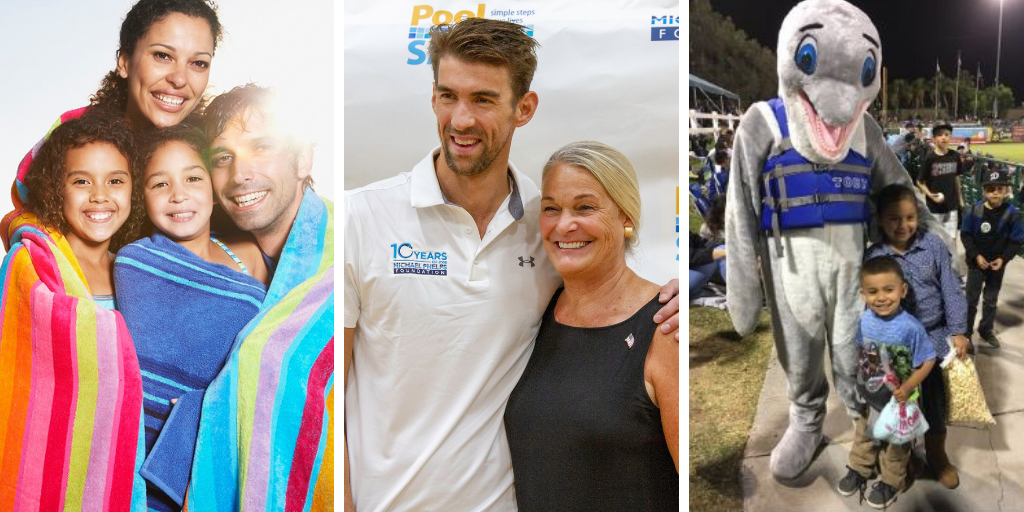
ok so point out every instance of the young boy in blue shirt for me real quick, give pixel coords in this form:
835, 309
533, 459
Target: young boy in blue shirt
992, 233
885, 326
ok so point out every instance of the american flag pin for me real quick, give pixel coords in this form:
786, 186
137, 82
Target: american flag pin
629, 340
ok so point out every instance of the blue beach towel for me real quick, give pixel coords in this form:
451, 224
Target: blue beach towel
183, 314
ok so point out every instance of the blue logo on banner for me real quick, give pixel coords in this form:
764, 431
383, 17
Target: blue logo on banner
666, 28
419, 35
664, 34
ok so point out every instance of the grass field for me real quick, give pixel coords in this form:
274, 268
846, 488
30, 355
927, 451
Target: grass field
1011, 151
726, 375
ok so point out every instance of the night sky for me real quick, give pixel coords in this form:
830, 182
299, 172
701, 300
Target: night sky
916, 33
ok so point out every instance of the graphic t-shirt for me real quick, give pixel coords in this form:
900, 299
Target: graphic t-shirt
898, 344
939, 173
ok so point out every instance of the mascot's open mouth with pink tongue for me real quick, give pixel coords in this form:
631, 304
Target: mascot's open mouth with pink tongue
829, 61
804, 167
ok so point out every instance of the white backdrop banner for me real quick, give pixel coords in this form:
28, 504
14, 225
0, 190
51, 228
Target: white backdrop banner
607, 71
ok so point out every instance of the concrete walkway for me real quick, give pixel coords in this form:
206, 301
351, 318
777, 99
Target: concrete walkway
991, 461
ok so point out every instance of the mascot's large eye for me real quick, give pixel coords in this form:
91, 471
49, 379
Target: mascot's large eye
867, 73
807, 55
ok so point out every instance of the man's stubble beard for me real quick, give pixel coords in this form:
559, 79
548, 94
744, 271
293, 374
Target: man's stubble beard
477, 166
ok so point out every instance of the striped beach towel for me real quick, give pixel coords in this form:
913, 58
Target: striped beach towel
19, 192
70, 387
266, 434
184, 314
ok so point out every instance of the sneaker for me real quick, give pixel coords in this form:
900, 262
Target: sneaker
851, 483
882, 495
991, 339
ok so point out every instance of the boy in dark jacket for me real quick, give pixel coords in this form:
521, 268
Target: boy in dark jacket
992, 233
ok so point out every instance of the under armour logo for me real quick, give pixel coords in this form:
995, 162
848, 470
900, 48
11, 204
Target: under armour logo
530, 261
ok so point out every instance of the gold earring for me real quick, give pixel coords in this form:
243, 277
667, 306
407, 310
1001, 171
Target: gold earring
629, 231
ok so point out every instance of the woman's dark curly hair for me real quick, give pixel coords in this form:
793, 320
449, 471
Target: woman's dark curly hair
113, 92
45, 179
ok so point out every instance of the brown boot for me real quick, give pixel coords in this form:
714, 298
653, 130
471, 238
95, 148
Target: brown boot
938, 462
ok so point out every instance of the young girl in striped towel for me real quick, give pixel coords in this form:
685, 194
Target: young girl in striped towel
185, 295
70, 387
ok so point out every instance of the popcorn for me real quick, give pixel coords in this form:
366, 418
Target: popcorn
966, 404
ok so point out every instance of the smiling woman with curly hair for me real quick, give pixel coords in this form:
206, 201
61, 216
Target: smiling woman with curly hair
165, 51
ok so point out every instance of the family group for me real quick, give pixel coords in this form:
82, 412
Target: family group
168, 294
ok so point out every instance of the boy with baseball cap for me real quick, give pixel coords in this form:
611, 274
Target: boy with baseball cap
992, 233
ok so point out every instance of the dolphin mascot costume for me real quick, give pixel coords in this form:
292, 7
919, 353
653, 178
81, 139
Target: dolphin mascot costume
803, 170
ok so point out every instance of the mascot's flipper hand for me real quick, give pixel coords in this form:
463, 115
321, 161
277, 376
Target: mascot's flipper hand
742, 222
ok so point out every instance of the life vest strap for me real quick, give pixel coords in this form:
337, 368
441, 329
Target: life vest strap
793, 202
780, 170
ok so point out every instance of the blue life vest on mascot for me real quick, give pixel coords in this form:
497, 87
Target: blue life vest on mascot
797, 193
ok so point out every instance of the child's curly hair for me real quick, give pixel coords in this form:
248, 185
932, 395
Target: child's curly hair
45, 179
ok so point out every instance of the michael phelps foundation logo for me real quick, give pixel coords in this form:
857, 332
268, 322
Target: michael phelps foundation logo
665, 28
407, 260
426, 16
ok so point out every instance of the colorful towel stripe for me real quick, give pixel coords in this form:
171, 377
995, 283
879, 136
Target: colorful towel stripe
266, 434
70, 387
19, 192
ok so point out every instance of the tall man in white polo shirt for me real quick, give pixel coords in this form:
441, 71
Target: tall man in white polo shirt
446, 281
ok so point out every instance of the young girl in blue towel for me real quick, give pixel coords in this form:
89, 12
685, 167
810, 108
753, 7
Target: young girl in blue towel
185, 295
179, 201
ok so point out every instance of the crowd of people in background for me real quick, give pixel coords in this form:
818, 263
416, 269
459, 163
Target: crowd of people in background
916, 147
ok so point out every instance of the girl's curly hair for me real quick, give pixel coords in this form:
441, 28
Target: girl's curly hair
45, 179
113, 92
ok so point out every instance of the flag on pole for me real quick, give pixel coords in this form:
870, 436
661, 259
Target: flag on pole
977, 85
956, 87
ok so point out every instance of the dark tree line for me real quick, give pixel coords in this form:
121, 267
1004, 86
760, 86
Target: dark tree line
725, 55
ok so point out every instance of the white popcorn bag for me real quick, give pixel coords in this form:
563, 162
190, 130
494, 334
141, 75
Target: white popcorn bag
966, 406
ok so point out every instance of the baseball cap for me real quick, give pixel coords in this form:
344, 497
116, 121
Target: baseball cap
995, 177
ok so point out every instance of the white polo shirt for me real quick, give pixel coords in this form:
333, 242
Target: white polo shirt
445, 323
